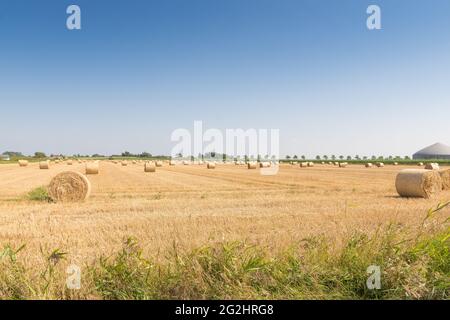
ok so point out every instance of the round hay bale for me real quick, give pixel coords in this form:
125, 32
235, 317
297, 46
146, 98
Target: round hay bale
418, 183
432, 166
310, 164
44, 165
420, 164
159, 163
368, 165
342, 164
92, 167
23, 163
211, 165
69, 162
303, 164
395, 163
445, 176
149, 167
251, 165
380, 164
264, 164
124, 163
69, 186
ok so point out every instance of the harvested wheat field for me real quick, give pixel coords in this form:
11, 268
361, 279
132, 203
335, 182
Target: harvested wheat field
190, 206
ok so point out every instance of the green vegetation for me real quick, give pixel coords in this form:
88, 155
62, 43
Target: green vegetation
412, 267
39, 194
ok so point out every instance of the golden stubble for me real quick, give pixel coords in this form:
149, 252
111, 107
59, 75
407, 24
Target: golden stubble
190, 206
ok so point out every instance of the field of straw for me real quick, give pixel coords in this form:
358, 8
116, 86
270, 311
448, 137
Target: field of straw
188, 206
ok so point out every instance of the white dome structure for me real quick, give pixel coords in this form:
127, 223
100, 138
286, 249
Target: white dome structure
435, 151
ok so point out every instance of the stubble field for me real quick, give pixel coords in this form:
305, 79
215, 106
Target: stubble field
190, 206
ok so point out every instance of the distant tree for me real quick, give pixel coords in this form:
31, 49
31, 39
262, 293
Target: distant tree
13, 154
357, 157
126, 154
303, 157
349, 157
341, 157
295, 156
288, 157
407, 158
39, 154
317, 157
325, 157
380, 158
333, 157
145, 155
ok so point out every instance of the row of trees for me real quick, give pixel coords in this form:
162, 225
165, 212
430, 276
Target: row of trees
39, 154
357, 157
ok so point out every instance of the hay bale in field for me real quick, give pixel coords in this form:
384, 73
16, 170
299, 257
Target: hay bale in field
420, 164
380, 164
303, 164
418, 183
445, 176
251, 165
44, 165
124, 163
92, 167
310, 164
432, 166
69, 162
368, 165
150, 167
264, 164
211, 165
395, 163
342, 164
159, 163
134, 162
69, 186
172, 163
23, 163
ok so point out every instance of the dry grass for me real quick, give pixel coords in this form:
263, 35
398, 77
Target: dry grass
190, 206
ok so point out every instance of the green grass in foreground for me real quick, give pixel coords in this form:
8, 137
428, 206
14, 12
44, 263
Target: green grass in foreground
412, 267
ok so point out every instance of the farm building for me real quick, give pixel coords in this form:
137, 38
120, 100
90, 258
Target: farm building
435, 151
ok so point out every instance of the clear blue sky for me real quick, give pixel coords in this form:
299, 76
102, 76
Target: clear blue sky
140, 69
